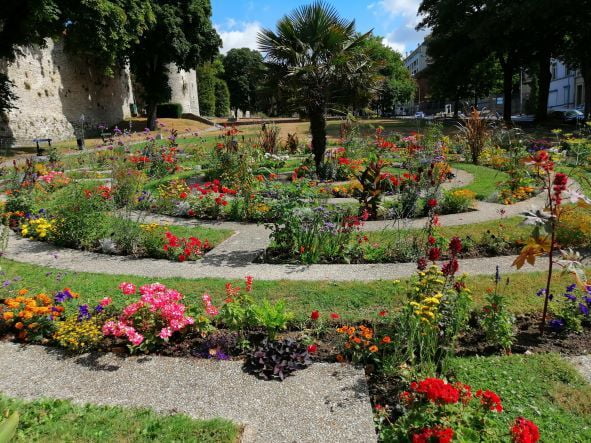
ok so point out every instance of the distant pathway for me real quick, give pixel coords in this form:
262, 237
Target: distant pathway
326, 403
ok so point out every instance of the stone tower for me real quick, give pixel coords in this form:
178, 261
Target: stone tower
184, 89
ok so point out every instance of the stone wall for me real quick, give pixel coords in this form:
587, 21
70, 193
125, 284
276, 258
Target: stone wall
54, 89
183, 85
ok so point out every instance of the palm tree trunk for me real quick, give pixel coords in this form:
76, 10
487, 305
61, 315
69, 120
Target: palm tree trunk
318, 131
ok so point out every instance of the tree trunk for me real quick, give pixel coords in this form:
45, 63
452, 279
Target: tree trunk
151, 122
456, 108
318, 131
544, 79
508, 71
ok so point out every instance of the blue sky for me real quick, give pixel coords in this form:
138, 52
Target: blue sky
239, 21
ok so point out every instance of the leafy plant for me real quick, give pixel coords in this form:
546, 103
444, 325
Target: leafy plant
8, 428
277, 359
475, 132
273, 317
496, 320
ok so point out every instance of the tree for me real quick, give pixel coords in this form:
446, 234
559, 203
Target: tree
181, 33
243, 72
206, 80
577, 43
222, 98
321, 61
397, 85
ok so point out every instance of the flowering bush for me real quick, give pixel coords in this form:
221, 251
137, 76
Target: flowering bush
362, 345
82, 331
32, 317
38, 228
183, 249
457, 201
440, 411
151, 320
571, 308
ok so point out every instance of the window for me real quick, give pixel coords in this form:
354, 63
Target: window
554, 69
579, 95
567, 95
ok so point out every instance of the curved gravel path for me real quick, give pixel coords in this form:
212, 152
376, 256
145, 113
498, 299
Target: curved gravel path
234, 257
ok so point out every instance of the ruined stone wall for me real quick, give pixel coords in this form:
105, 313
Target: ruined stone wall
184, 89
54, 89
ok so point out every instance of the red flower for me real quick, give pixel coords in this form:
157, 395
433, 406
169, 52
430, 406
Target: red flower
450, 268
182, 258
434, 254
383, 313
315, 315
312, 349
431, 240
455, 246
335, 316
437, 434
490, 400
437, 391
524, 431
422, 264
431, 202
183, 195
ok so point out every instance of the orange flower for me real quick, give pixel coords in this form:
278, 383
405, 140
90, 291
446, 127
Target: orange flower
386, 339
23, 291
340, 358
33, 325
357, 340
22, 335
8, 315
19, 325
373, 348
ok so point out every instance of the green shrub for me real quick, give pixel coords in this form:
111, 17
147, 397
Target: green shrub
81, 214
457, 201
169, 110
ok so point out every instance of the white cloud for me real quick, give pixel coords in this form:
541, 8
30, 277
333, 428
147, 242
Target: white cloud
403, 15
238, 34
400, 47
407, 8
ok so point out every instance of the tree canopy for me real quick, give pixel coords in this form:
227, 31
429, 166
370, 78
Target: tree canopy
243, 72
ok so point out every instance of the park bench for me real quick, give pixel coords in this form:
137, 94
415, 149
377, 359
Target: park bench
41, 140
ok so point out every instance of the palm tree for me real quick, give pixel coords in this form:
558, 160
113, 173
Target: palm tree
322, 61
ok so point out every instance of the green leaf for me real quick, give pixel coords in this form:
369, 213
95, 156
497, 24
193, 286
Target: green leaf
8, 428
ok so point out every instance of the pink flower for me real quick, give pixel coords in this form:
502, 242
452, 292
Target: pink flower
127, 288
165, 333
106, 301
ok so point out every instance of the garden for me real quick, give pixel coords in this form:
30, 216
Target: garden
447, 356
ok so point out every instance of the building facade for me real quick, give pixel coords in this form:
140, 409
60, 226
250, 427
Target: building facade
567, 88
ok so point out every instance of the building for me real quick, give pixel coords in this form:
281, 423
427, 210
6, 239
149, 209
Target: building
567, 89
57, 92
416, 62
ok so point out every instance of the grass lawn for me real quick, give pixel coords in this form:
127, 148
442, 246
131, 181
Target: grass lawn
510, 228
542, 387
214, 235
354, 301
59, 420
485, 179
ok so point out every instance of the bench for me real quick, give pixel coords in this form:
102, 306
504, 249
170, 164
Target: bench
41, 140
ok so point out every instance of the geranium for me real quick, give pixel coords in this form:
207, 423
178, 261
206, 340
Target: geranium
154, 317
524, 431
315, 315
436, 391
182, 248
490, 400
127, 288
438, 434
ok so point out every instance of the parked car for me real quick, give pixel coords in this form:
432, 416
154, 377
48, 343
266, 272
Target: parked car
568, 115
419, 114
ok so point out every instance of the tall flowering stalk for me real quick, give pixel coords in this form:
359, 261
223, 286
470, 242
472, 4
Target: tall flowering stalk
546, 222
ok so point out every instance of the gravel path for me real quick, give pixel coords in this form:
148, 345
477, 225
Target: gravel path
234, 257
324, 403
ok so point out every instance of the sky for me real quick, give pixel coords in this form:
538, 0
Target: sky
238, 21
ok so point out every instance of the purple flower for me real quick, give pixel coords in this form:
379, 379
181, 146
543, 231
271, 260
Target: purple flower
570, 297
584, 309
98, 309
556, 324
83, 313
541, 292
62, 296
6, 283
571, 288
